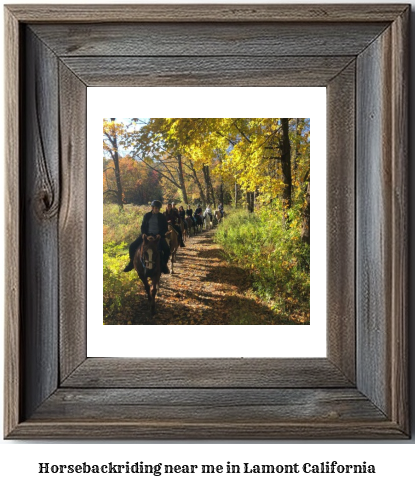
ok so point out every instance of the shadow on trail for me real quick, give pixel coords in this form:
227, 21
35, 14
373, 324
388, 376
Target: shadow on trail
236, 311
204, 290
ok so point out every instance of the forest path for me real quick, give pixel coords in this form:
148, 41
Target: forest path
205, 289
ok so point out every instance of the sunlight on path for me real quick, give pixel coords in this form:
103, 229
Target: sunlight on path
206, 289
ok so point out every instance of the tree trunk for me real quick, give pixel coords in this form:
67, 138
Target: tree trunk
305, 228
199, 185
181, 179
209, 187
205, 170
114, 154
250, 201
286, 164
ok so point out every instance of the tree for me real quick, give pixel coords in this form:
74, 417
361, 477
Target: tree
285, 148
112, 133
263, 159
155, 146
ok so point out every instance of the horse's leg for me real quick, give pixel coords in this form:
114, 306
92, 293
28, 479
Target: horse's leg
153, 297
173, 260
146, 286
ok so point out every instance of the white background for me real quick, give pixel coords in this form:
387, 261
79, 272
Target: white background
210, 341
393, 460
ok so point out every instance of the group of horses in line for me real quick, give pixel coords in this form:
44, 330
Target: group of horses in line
199, 222
147, 257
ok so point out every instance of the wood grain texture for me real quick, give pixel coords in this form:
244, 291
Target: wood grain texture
206, 13
206, 399
198, 39
206, 373
382, 222
374, 224
245, 428
13, 383
209, 405
39, 253
72, 222
341, 237
364, 430
400, 233
206, 71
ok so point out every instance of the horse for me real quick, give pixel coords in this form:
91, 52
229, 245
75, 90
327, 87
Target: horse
172, 239
218, 216
207, 218
190, 225
199, 222
147, 264
183, 227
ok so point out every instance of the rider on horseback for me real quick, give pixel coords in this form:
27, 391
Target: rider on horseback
199, 210
199, 215
154, 224
182, 215
220, 208
189, 213
173, 218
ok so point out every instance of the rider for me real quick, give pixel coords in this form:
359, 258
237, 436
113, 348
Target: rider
189, 213
220, 208
172, 216
198, 214
208, 210
174, 208
154, 224
182, 215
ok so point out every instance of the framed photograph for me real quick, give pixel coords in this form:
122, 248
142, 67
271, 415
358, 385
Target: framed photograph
207, 307
53, 389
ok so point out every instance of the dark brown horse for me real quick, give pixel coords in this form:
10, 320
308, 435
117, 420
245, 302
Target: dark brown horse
147, 265
199, 223
190, 225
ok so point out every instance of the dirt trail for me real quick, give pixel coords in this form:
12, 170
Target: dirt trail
204, 289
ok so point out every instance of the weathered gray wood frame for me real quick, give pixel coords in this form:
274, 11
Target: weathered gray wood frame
359, 52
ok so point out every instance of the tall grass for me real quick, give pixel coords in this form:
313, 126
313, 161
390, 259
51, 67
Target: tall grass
122, 226
278, 260
119, 230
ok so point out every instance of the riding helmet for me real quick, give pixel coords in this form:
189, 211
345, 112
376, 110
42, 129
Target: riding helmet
156, 203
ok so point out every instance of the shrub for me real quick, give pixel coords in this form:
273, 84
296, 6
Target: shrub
119, 287
120, 229
278, 261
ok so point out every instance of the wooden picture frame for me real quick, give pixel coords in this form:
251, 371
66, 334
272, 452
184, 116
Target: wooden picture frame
360, 53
